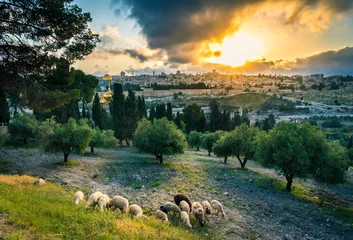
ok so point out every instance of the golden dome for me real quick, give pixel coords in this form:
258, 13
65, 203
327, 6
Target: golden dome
102, 101
107, 77
108, 95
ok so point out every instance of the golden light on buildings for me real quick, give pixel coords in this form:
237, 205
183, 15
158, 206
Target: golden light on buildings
108, 95
102, 101
107, 77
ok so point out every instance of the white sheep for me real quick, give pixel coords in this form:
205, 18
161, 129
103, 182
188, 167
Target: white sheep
93, 199
161, 215
78, 197
217, 206
185, 219
136, 211
120, 203
40, 182
184, 206
198, 212
206, 207
170, 207
103, 201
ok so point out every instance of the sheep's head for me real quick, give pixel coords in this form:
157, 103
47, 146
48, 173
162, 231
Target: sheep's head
163, 209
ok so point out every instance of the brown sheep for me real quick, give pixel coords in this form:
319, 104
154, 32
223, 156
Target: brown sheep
198, 212
180, 197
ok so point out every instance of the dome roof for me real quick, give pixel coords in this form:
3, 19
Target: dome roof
107, 77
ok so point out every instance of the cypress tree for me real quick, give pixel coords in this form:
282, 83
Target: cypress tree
215, 118
177, 120
350, 142
266, 125
144, 110
169, 112
97, 115
201, 124
4, 108
152, 114
131, 115
271, 121
118, 112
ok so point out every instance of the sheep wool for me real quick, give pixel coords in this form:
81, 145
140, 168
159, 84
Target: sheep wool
170, 207
180, 197
218, 207
206, 207
103, 201
93, 199
136, 211
40, 182
198, 212
184, 216
78, 197
161, 215
120, 203
184, 206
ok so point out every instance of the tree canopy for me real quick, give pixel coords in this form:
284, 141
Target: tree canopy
103, 139
209, 139
301, 151
195, 139
23, 126
39, 40
159, 138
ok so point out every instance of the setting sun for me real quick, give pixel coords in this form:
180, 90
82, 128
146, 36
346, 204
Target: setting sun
237, 50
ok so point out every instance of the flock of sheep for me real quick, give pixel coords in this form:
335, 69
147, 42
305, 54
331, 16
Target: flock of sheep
182, 206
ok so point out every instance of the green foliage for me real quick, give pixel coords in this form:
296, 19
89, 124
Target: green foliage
239, 143
192, 115
97, 112
4, 108
333, 123
103, 139
2, 139
131, 115
159, 138
71, 136
34, 29
215, 117
23, 126
301, 151
195, 139
117, 109
209, 139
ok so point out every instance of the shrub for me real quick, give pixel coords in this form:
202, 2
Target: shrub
103, 139
23, 126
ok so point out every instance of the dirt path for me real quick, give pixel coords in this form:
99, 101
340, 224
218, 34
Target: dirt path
254, 210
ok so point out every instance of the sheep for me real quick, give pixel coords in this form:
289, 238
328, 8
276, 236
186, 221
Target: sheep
103, 201
135, 211
161, 215
40, 182
78, 197
119, 202
185, 219
93, 199
206, 207
184, 206
218, 207
169, 207
180, 197
198, 212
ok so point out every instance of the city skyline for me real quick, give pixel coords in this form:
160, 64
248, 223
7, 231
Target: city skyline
272, 37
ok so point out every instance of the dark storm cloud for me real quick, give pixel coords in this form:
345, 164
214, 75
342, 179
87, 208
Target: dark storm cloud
135, 54
178, 26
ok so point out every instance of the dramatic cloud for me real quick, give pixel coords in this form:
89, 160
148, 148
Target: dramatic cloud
137, 54
184, 28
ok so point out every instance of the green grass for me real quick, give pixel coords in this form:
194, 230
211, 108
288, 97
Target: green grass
48, 212
69, 164
246, 100
346, 214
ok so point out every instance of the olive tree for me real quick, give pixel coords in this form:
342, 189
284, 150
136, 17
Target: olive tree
103, 139
195, 139
301, 151
209, 139
71, 136
23, 126
224, 147
159, 138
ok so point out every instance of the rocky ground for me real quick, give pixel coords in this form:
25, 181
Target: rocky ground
255, 208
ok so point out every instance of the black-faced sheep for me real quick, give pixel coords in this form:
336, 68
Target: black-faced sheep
169, 207
120, 203
198, 212
93, 199
180, 197
206, 207
217, 207
103, 201
184, 216
78, 197
136, 211
184, 206
161, 215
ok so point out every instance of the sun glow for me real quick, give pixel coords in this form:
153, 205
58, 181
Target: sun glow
237, 50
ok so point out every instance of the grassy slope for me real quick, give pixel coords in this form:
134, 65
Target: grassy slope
48, 212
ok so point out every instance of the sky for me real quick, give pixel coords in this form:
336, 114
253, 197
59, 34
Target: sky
236, 37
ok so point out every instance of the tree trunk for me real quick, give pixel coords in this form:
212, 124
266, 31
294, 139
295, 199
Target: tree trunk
92, 150
121, 143
209, 153
198, 148
25, 141
289, 182
242, 163
225, 159
159, 157
66, 157
127, 142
